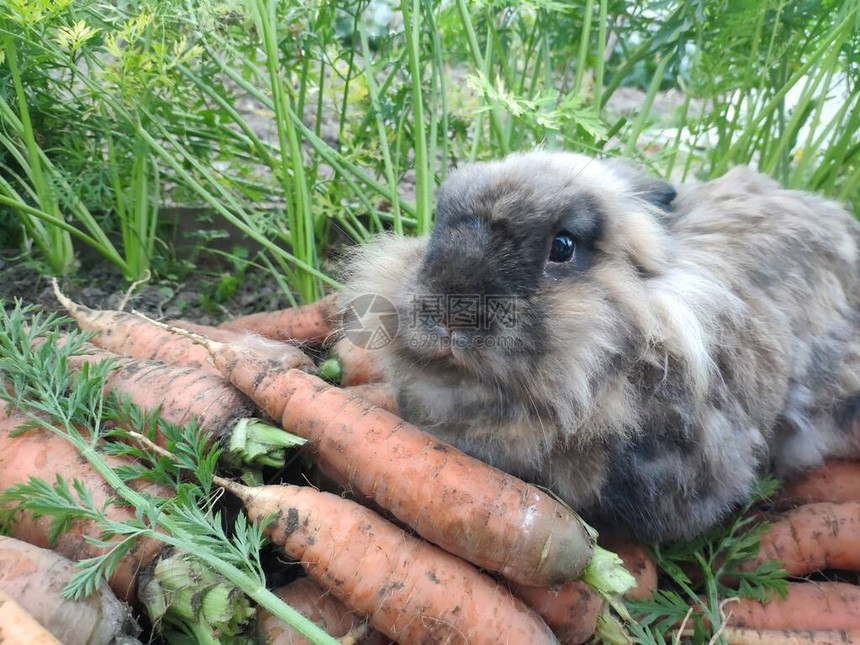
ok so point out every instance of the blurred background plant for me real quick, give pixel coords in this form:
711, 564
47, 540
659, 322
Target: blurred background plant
301, 126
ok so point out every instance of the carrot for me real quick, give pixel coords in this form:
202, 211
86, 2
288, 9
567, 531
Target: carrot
379, 394
41, 453
813, 537
357, 366
638, 561
307, 324
570, 610
834, 481
36, 577
808, 605
465, 506
215, 333
18, 627
410, 590
742, 636
182, 392
320, 606
129, 335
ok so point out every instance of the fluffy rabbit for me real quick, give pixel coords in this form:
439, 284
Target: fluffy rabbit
642, 352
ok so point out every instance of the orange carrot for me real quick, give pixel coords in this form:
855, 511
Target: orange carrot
465, 506
19, 627
379, 394
307, 324
743, 636
130, 335
813, 537
36, 578
321, 607
181, 392
834, 481
410, 590
639, 562
570, 610
215, 333
357, 366
41, 453
809, 605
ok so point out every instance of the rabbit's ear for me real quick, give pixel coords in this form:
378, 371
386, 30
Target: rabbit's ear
652, 190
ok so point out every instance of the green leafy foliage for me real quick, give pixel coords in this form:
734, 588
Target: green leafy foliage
301, 124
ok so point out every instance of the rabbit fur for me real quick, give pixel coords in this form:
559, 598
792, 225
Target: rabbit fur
699, 337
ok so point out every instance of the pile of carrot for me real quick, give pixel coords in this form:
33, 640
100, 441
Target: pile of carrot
816, 528
492, 559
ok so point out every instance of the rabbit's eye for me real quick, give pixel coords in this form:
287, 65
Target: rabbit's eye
563, 246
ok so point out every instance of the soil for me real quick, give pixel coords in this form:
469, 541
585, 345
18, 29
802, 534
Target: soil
100, 285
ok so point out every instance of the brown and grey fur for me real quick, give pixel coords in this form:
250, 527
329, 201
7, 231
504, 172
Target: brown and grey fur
696, 340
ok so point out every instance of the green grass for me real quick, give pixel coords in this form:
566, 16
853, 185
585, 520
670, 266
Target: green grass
299, 124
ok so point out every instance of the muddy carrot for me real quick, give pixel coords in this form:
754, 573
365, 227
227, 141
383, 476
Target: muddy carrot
183, 393
411, 590
745, 636
813, 537
357, 366
639, 562
308, 323
571, 610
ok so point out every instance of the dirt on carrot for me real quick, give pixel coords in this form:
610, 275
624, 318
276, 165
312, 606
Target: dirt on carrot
572, 609
36, 577
182, 393
639, 561
813, 538
411, 591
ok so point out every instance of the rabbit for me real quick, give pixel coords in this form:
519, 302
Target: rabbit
644, 351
